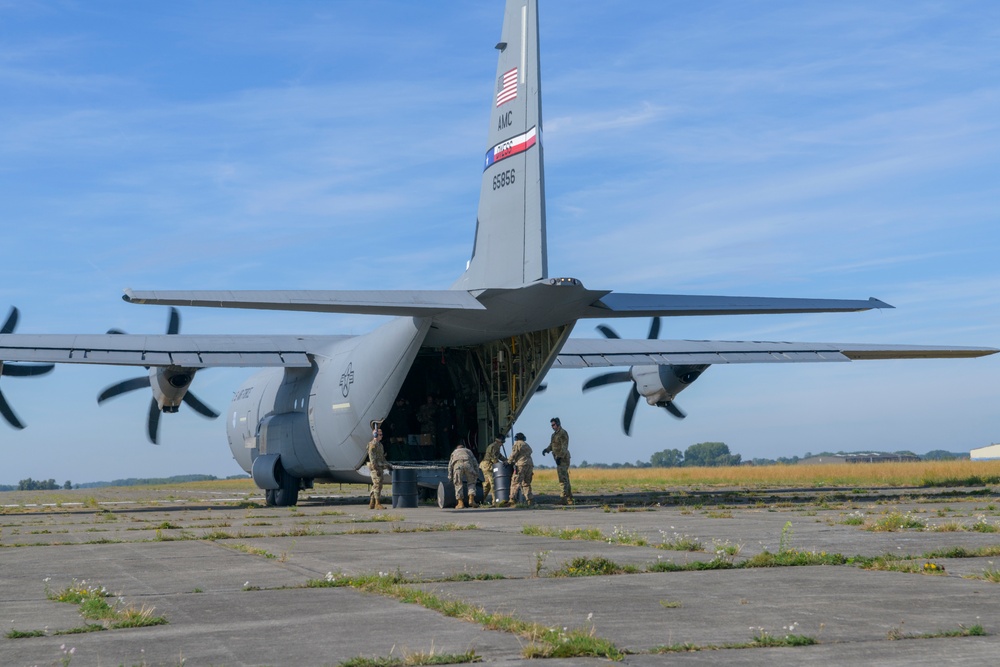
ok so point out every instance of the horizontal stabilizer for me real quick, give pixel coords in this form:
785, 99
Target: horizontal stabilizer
189, 351
620, 304
597, 352
398, 303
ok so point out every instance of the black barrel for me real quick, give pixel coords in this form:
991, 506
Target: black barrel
502, 473
446, 495
404, 487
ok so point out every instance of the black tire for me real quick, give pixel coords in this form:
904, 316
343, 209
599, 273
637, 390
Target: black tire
287, 495
269, 500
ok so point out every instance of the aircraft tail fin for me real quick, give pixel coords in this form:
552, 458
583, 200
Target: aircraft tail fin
510, 247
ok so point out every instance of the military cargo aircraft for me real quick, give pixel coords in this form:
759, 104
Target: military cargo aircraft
459, 363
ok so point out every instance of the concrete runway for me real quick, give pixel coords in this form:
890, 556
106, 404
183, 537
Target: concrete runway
228, 575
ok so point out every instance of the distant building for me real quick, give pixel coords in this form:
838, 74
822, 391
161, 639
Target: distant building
985, 453
881, 458
874, 457
817, 460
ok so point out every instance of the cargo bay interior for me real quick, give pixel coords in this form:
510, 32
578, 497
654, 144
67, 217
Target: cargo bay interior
465, 393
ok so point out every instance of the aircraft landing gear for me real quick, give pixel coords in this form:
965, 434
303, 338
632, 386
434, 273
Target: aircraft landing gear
286, 495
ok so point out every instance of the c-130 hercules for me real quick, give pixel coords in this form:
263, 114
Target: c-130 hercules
483, 346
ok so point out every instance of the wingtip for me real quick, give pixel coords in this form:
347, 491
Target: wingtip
879, 303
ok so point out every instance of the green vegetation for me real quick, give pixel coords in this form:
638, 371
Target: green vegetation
544, 642
93, 604
583, 566
429, 658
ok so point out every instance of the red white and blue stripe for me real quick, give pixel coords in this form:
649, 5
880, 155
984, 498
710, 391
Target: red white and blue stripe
510, 147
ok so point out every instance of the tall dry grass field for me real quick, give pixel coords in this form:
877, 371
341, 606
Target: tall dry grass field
847, 475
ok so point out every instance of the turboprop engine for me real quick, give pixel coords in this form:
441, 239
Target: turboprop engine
170, 385
658, 384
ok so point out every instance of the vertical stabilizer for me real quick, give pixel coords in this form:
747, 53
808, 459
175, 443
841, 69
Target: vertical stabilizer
510, 246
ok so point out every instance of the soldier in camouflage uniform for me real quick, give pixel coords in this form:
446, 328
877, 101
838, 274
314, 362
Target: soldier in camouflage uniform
377, 465
524, 469
490, 459
559, 446
462, 473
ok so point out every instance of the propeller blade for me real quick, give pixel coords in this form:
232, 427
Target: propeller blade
22, 371
153, 424
629, 414
174, 323
607, 331
607, 378
198, 406
672, 408
8, 326
8, 414
123, 387
654, 329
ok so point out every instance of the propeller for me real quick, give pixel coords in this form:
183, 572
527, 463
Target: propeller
144, 381
17, 370
616, 377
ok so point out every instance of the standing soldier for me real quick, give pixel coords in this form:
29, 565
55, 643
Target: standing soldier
524, 469
559, 446
490, 459
377, 465
462, 472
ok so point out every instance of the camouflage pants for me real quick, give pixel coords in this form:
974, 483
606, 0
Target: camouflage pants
376, 491
464, 477
520, 481
487, 481
562, 470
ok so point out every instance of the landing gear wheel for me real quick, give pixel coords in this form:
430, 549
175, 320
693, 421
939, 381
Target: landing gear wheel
269, 500
287, 494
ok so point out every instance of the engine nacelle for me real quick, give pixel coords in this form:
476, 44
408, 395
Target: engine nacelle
170, 384
661, 384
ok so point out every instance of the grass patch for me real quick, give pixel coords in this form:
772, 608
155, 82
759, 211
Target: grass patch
566, 533
680, 543
962, 631
544, 642
23, 634
793, 558
380, 518
761, 638
894, 521
583, 566
93, 604
429, 658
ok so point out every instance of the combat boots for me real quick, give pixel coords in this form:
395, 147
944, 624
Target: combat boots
371, 502
460, 505
378, 504
472, 500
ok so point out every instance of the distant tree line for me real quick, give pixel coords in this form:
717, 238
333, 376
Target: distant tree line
718, 454
700, 454
50, 484
39, 485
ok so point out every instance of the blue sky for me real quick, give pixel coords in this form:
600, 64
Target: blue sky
817, 149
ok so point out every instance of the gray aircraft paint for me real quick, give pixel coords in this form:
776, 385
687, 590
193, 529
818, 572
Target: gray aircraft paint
300, 399
510, 245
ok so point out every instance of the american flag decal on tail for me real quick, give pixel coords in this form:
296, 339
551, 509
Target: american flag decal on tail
507, 87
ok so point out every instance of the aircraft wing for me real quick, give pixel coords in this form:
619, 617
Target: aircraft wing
622, 304
600, 352
189, 351
399, 303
